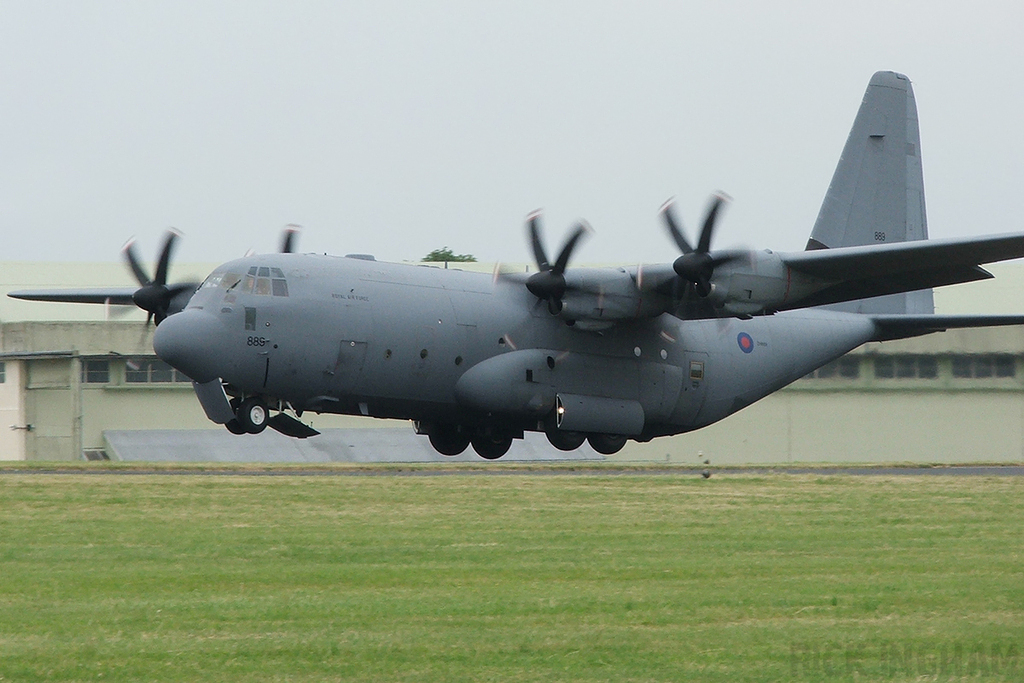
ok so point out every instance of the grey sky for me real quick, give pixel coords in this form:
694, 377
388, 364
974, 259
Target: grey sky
397, 127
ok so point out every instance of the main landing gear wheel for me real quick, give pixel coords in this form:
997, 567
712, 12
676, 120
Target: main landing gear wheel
235, 427
252, 415
491, 447
448, 440
565, 440
607, 444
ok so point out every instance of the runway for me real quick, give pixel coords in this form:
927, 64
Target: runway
567, 469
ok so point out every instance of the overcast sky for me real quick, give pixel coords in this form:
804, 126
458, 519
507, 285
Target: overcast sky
394, 128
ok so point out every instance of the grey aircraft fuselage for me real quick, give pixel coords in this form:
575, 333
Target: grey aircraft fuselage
434, 345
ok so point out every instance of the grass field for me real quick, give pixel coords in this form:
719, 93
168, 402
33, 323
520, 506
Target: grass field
522, 577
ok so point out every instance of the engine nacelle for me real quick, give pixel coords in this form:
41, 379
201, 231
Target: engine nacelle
594, 297
752, 286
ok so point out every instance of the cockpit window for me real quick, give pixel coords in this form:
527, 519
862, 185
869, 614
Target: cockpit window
230, 280
260, 280
212, 281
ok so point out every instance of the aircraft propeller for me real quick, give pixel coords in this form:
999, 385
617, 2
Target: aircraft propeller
697, 265
155, 296
288, 236
548, 283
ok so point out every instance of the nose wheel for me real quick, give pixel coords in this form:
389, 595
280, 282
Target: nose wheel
251, 416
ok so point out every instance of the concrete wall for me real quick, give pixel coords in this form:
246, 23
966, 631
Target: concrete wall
795, 426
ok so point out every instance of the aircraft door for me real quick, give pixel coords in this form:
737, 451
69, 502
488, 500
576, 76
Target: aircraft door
660, 387
345, 371
349, 364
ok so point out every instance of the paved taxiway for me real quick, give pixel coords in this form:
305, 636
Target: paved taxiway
550, 471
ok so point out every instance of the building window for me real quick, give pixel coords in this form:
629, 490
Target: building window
95, 371
906, 367
847, 367
151, 371
984, 366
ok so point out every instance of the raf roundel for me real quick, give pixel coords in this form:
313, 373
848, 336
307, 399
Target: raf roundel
745, 341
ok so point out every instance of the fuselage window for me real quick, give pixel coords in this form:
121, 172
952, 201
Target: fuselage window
264, 272
280, 287
262, 285
250, 318
248, 284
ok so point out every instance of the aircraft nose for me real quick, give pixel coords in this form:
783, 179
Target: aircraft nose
188, 341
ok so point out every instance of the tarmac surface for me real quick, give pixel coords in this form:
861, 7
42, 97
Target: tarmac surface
548, 469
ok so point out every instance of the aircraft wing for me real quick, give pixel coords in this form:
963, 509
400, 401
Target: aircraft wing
876, 270
900, 326
119, 296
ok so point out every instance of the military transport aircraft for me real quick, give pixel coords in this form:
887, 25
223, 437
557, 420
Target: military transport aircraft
596, 354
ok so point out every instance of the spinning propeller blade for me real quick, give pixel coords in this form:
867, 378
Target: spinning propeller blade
288, 238
548, 283
155, 296
697, 265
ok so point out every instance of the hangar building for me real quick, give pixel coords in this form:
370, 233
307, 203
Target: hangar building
77, 380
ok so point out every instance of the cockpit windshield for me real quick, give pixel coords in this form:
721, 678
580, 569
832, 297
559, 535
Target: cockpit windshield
260, 280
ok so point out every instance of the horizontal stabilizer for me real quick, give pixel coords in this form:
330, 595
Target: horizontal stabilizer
889, 327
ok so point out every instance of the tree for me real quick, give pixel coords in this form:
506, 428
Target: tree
445, 254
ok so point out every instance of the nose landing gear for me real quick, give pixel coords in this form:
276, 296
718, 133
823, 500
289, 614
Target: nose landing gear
251, 416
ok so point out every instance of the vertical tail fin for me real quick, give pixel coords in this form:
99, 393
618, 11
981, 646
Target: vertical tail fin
877, 190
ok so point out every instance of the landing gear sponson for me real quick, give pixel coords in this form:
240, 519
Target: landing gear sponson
491, 444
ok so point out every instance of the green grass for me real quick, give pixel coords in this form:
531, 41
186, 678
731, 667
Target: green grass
606, 577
